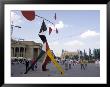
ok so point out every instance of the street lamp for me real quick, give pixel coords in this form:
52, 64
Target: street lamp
12, 27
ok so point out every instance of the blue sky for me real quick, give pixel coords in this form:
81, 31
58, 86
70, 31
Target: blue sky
77, 29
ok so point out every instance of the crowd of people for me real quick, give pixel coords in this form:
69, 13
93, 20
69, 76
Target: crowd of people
67, 63
26, 62
18, 61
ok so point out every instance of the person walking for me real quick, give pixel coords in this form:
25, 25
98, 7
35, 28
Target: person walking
66, 65
97, 63
69, 64
36, 66
73, 62
82, 64
33, 61
85, 62
27, 65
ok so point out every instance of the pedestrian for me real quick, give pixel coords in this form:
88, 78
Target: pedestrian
27, 65
73, 62
69, 64
63, 61
66, 65
97, 63
85, 62
33, 62
82, 64
35, 66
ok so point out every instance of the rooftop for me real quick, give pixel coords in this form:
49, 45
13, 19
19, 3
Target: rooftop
25, 42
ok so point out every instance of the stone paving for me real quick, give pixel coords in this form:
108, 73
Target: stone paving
17, 70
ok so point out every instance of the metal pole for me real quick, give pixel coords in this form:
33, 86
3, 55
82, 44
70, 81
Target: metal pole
12, 27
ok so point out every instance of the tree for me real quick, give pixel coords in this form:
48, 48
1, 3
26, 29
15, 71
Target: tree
81, 54
66, 57
76, 57
90, 55
87, 57
96, 53
85, 54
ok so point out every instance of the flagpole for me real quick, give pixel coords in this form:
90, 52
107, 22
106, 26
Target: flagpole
12, 27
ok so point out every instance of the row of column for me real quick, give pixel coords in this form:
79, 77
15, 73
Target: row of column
18, 51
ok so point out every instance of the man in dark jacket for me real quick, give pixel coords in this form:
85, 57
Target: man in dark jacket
27, 65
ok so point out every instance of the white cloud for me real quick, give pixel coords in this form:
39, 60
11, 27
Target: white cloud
15, 18
59, 25
74, 43
55, 43
56, 47
89, 33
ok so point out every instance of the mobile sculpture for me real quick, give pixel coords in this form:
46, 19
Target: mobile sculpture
30, 15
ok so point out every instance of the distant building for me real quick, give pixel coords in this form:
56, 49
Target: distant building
67, 53
25, 49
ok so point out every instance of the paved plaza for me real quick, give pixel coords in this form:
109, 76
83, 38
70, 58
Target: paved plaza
92, 70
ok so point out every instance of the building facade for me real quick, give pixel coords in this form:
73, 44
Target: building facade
69, 54
25, 49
